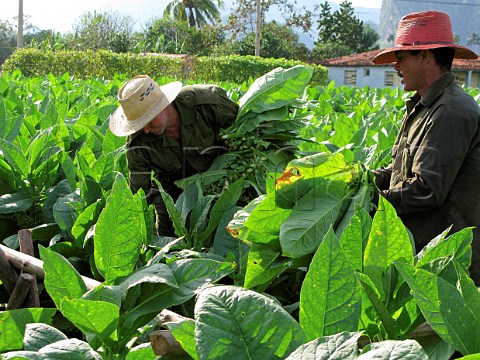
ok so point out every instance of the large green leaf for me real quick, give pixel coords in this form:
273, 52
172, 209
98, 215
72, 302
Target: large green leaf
70, 349
388, 323
225, 202
16, 202
312, 216
119, 233
267, 219
242, 324
66, 209
156, 273
85, 220
13, 322
444, 308
15, 157
470, 293
61, 278
190, 276
9, 125
339, 346
275, 89
62, 189
3, 118
324, 165
253, 119
361, 200
355, 236
388, 242
38, 335
436, 348
263, 265
394, 350
237, 228
457, 246
97, 317
102, 171
141, 352
199, 218
175, 215
184, 333
330, 300
188, 198
68, 169
46, 173
41, 147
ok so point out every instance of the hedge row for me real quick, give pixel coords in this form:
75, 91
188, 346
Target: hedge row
105, 64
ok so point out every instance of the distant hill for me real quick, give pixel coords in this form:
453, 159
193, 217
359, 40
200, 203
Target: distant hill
464, 15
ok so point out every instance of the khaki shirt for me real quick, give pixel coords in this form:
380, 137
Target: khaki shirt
434, 177
203, 109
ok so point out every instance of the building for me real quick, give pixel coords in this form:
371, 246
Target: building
360, 71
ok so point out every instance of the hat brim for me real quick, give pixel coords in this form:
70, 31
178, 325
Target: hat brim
388, 55
121, 126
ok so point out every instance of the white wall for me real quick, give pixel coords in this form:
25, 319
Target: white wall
375, 79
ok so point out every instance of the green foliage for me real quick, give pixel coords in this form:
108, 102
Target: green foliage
311, 244
277, 41
197, 13
243, 68
342, 30
101, 30
176, 37
7, 40
246, 321
13, 322
105, 64
330, 277
91, 64
113, 311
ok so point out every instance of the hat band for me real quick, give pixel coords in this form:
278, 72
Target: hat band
417, 43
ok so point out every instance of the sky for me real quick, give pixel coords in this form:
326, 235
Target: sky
61, 15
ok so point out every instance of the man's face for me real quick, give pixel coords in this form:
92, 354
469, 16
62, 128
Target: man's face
157, 125
409, 69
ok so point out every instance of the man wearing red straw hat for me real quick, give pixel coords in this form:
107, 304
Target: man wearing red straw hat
172, 131
433, 180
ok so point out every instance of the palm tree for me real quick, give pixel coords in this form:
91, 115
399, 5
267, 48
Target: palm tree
198, 12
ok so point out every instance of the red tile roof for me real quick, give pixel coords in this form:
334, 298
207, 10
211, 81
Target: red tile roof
365, 59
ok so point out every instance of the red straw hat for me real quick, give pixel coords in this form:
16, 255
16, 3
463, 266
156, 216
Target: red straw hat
423, 31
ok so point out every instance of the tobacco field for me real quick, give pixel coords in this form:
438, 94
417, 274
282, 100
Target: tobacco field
282, 250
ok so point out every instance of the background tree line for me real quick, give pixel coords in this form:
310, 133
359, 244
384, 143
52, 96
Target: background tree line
194, 27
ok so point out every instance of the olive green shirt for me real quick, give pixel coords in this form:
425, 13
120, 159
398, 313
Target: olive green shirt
203, 110
434, 178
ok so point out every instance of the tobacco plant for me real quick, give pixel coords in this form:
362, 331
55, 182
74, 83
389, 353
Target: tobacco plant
314, 263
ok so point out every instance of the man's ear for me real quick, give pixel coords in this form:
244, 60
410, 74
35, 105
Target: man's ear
426, 55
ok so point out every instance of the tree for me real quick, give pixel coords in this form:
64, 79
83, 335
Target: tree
8, 36
473, 40
343, 30
198, 13
101, 30
7, 40
242, 20
278, 41
177, 37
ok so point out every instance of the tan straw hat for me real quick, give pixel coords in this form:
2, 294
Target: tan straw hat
141, 99
423, 31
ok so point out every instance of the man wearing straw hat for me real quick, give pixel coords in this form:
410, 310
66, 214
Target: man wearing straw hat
433, 180
172, 131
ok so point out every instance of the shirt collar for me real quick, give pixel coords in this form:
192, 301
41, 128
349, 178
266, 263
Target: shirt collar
436, 90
